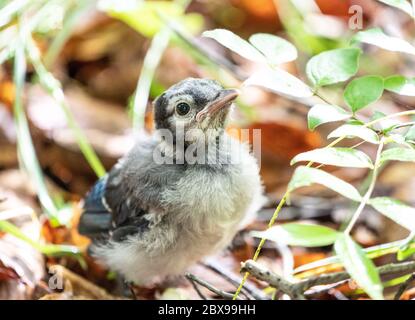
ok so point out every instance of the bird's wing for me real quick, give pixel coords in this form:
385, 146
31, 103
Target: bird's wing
108, 212
96, 216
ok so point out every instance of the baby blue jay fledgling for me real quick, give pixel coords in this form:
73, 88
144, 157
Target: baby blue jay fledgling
180, 194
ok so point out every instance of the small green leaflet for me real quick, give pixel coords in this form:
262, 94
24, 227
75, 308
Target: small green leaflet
305, 176
398, 154
279, 81
324, 113
395, 210
401, 85
359, 266
363, 91
384, 125
403, 5
263, 47
355, 130
341, 157
410, 135
235, 43
277, 50
299, 234
333, 66
378, 38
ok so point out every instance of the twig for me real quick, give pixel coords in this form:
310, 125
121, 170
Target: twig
81, 285
404, 286
273, 279
195, 286
296, 290
369, 191
203, 283
234, 279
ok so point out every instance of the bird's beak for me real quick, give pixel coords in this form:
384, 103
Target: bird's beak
225, 100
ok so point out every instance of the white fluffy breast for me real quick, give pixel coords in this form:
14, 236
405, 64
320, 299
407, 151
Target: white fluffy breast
203, 212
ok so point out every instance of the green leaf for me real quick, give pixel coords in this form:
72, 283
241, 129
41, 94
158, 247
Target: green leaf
299, 234
324, 113
333, 66
143, 18
395, 138
355, 130
372, 253
395, 210
281, 82
410, 135
400, 4
277, 50
341, 157
401, 85
378, 38
363, 91
398, 154
359, 266
305, 176
235, 43
385, 125
405, 253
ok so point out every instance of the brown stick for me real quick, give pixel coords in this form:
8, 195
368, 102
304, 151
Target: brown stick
402, 288
80, 285
203, 283
296, 290
235, 280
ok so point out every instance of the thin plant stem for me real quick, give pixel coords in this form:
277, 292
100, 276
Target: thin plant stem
404, 125
47, 249
394, 115
372, 252
284, 198
11, 9
26, 150
52, 86
319, 95
369, 191
271, 223
150, 63
70, 20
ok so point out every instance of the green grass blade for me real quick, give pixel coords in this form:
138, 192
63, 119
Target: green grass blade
10, 10
47, 249
150, 63
53, 87
70, 20
26, 149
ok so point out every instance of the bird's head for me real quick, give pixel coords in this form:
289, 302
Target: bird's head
193, 104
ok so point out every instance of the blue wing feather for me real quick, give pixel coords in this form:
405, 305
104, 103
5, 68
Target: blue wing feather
96, 218
106, 212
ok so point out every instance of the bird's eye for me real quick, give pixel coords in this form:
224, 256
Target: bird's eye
182, 108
